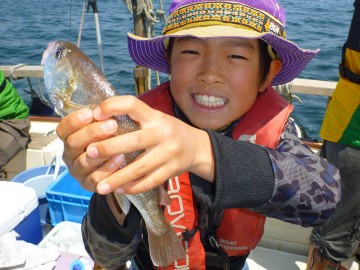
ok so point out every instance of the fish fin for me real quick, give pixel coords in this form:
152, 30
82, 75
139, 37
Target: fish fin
165, 248
124, 202
164, 196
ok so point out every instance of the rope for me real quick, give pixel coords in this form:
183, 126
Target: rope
81, 24
41, 92
12, 69
285, 90
160, 16
146, 7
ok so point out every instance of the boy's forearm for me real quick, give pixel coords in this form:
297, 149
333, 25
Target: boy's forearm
204, 163
236, 164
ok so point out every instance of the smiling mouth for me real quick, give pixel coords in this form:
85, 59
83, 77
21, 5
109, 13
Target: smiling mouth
210, 101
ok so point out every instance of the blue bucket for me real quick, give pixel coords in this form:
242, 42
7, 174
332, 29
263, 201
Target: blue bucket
39, 178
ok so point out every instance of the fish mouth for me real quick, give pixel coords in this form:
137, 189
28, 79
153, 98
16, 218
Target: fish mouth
209, 101
47, 52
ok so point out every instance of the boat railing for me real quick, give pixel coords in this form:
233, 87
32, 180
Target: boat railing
20, 71
299, 86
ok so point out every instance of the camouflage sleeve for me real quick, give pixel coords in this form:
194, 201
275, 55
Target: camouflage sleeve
107, 253
307, 188
108, 243
290, 183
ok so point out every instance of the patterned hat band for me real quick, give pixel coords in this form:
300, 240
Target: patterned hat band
222, 13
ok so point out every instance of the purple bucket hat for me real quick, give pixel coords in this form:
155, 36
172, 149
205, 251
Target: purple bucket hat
264, 19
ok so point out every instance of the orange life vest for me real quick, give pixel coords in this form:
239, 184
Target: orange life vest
240, 229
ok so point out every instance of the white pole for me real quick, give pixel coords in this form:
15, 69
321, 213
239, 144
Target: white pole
98, 37
92, 3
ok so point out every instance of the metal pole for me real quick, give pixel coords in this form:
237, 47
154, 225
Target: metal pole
93, 5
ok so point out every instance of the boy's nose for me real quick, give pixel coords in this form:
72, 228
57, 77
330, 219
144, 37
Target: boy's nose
210, 72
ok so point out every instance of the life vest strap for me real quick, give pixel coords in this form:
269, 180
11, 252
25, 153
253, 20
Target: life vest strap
346, 73
188, 234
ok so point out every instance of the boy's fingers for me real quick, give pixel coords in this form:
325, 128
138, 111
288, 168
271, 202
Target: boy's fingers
76, 143
143, 168
73, 122
124, 143
91, 178
118, 183
136, 109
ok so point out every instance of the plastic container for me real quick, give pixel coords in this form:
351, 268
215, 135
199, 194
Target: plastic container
19, 211
39, 178
67, 200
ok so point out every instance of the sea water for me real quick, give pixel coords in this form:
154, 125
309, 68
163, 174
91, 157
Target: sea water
26, 27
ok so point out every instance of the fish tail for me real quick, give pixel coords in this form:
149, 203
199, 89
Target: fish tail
165, 248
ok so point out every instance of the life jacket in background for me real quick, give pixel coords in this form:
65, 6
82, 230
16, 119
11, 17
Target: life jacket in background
342, 116
240, 229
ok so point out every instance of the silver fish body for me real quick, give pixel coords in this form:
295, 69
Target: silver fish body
73, 82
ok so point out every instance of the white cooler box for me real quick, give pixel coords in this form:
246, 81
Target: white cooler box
19, 211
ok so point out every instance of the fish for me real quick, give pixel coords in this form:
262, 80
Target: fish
74, 82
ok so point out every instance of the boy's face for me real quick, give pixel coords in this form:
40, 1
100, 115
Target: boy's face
215, 81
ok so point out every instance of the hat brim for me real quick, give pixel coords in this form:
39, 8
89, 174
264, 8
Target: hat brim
150, 52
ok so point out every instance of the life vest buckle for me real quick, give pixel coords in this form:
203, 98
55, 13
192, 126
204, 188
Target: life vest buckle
219, 259
214, 243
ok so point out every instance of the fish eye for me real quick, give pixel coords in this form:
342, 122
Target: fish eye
58, 53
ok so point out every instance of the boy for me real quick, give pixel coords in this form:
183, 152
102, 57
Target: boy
216, 134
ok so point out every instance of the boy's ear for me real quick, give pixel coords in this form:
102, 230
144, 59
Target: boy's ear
274, 69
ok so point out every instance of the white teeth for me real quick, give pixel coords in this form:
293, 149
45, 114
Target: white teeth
210, 101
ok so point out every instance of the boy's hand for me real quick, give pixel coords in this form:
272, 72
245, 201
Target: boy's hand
77, 131
171, 148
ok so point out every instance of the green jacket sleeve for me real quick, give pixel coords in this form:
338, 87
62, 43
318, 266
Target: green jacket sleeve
12, 106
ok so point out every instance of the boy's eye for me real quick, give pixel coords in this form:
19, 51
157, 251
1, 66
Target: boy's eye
236, 56
189, 52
